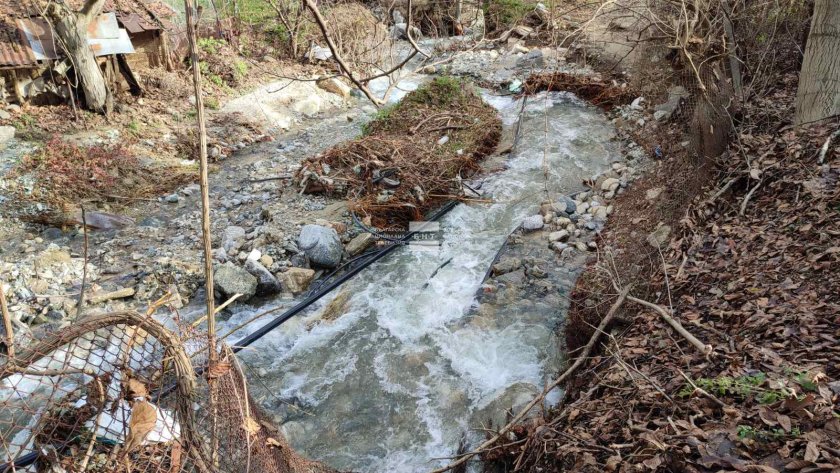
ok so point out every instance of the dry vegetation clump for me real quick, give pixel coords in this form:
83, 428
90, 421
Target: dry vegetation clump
412, 155
594, 91
61, 175
360, 38
751, 269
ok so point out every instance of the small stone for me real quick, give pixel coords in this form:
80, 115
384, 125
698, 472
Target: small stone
537, 273
580, 246
561, 235
335, 86
506, 265
266, 261
443, 140
559, 246
172, 198
267, 284
296, 280
254, 255
232, 238
429, 69
360, 243
660, 115
659, 236
654, 193
533, 223
592, 246
609, 184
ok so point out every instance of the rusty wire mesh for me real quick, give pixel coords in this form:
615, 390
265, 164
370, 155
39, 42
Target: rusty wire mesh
73, 401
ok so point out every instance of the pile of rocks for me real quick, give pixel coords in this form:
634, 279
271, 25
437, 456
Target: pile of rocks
571, 223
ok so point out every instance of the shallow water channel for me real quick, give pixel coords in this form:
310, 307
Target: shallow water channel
397, 379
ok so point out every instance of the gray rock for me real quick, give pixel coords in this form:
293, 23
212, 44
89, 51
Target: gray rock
232, 238
321, 244
571, 208
6, 134
229, 279
506, 264
533, 223
266, 283
398, 31
172, 198
360, 243
659, 236
297, 280
514, 278
4, 115
561, 235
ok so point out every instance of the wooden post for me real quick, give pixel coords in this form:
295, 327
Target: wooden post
205, 220
7, 325
205, 191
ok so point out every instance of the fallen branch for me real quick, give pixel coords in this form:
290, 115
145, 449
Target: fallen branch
7, 325
706, 350
322, 25
826, 145
747, 198
584, 355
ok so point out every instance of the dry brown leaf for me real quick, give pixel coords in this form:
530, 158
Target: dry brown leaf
272, 442
142, 421
784, 421
812, 452
250, 426
136, 389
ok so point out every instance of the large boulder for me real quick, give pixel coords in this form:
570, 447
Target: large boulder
321, 245
267, 284
297, 280
229, 279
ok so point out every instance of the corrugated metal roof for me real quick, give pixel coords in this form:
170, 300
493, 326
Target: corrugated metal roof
15, 51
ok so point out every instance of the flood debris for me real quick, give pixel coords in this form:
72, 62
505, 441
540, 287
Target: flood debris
595, 91
411, 157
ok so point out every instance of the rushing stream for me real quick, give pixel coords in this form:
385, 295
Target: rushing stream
397, 379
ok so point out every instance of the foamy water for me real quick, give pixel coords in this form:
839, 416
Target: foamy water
399, 377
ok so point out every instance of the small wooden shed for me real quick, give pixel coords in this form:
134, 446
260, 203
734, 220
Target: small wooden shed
135, 32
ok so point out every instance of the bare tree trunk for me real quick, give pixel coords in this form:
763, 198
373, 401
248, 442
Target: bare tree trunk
818, 96
71, 28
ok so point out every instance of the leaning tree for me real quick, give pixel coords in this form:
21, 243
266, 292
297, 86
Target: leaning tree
70, 27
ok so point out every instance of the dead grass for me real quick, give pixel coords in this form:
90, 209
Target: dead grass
412, 154
62, 175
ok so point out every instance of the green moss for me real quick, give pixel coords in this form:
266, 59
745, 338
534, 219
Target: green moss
442, 91
210, 46
241, 68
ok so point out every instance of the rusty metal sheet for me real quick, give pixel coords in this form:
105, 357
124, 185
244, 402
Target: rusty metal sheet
106, 47
39, 35
14, 49
133, 23
105, 26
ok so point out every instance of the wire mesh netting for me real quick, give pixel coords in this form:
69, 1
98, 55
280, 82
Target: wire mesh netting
89, 398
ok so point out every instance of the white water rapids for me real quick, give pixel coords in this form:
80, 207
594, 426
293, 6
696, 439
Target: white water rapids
396, 380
